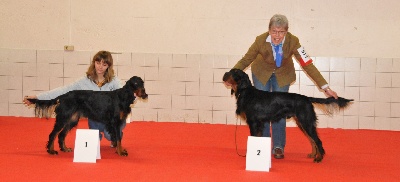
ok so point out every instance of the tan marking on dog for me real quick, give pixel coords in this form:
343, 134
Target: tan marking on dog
121, 115
74, 117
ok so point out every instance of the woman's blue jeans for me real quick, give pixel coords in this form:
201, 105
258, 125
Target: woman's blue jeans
278, 128
102, 128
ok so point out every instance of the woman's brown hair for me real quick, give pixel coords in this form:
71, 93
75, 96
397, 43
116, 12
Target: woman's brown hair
107, 58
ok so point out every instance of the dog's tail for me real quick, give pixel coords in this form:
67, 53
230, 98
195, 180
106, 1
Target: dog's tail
331, 105
44, 108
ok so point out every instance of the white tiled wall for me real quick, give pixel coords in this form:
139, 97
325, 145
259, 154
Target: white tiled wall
188, 87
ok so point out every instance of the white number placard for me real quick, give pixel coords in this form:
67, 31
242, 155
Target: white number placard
258, 156
87, 146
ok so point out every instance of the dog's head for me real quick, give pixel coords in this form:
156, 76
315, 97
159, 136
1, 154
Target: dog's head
137, 85
237, 80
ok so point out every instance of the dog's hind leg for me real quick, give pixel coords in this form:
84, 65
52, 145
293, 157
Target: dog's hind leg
306, 123
313, 153
317, 145
63, 134
70, 122
58, 126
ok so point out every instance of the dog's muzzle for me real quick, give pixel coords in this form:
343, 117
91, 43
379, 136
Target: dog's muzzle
142, 94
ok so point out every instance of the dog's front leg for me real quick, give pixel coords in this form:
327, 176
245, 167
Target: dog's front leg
254, 128
121, 151
117, 137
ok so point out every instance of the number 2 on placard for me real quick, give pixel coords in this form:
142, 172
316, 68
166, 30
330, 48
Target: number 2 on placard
258, 152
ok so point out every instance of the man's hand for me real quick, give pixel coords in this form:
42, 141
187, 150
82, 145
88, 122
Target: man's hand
330, 93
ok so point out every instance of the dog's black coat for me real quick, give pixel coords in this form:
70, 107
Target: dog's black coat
258, 107
108, 107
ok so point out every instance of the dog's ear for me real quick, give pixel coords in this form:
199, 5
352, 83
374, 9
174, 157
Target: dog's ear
133, 83
241, 78
228, 78
130, 83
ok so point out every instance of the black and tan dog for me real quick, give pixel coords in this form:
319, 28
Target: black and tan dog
108, 107
257, 107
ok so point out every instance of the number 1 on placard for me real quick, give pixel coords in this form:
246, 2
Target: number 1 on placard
85, 144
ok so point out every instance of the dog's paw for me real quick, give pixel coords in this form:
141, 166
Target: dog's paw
52, 152
122, 152
318, 160
66, 149
311, 155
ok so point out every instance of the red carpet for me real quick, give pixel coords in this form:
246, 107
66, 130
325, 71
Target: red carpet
195, 152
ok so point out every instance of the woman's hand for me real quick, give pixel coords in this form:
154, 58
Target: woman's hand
26, 102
